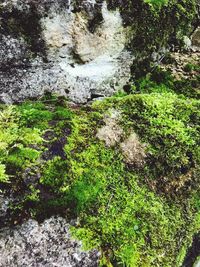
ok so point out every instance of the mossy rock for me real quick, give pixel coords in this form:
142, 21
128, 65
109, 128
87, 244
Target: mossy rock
131, 212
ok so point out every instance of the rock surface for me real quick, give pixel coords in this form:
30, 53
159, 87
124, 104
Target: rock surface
192, 258
46, 244
196, 39
4, 205
74, 48
179, 62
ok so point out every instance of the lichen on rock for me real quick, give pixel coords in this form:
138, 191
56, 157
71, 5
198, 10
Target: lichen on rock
196, 39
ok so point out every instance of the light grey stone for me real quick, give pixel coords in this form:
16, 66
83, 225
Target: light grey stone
48, 244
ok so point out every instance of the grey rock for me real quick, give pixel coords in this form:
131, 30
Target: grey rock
73, 48
195, 38
12, 51
43, 245
4, 205
6, 200
187, 42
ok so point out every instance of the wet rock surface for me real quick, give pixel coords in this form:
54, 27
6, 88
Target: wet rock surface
46, 244
74, 48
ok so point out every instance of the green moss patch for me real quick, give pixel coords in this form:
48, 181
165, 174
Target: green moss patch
136, 216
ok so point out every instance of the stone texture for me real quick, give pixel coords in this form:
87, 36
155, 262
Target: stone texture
197, 264
196, 39
4, 206
178, 63
43, 245
73, 48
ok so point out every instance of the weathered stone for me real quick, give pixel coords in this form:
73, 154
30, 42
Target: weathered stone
197, 263
187, 42
47, 244
196, 39
178, 63
4, 205
54, 46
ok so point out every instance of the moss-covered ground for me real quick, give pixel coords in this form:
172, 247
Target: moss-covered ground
51, 161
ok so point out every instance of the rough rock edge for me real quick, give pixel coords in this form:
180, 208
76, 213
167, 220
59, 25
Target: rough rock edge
48, 244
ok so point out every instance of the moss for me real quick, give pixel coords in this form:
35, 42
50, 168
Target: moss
51, 159
15, 141
21, 157
54, 173
35, 115
135, 216
189, 67
161, 81
3, 176
156, 24
156, 3
114, 208
25, 137
154, 118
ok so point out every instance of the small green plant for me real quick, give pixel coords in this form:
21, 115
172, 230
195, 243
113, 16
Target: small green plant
34, 115
21, 157
160, 81
15, 141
